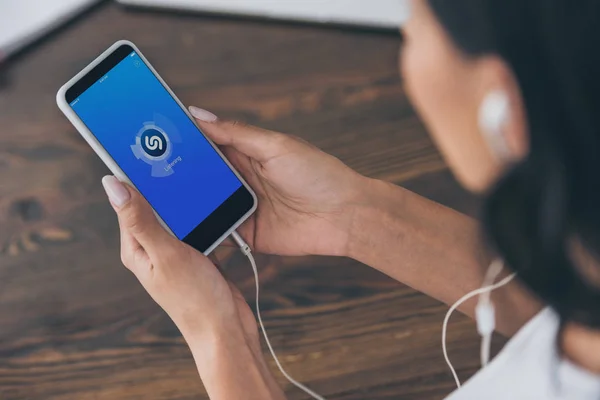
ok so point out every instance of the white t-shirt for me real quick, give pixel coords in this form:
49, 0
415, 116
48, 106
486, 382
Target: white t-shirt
531, 368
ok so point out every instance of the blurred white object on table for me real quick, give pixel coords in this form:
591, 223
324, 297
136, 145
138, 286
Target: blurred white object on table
387, 14
24, 21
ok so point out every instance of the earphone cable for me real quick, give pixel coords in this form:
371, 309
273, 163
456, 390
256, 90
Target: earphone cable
462, 300
248, 253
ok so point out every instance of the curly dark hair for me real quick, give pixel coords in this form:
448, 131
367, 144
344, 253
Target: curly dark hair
551, 200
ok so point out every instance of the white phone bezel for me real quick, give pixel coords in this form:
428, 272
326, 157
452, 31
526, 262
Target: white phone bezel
108, 160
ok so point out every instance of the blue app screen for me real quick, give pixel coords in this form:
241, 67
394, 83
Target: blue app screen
156, 144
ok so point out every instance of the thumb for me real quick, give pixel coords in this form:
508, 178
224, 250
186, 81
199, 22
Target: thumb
135, 214
256, 143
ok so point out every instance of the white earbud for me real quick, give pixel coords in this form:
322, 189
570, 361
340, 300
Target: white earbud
494, 114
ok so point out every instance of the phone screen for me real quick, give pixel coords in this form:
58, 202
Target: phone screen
156, 144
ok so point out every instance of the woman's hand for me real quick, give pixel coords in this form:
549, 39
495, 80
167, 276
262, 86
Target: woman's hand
184, 282
306, 198
211, 313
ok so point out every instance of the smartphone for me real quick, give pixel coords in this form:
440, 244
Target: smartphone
147, 138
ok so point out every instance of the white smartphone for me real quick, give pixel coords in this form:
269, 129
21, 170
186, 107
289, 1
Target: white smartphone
147, 138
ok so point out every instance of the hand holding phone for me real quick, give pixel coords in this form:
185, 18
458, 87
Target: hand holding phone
184, 282
141, 131
308, 199
210, 312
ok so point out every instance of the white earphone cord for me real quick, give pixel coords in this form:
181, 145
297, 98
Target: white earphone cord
485, 344
486, 339
248, 253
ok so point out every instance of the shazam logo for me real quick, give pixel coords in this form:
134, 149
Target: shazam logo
154, 142
153, 146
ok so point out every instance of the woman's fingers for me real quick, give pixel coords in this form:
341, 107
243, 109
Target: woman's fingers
254, 142
133, 255
136, 218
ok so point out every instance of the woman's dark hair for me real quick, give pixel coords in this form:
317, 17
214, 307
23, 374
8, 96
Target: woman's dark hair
551, 200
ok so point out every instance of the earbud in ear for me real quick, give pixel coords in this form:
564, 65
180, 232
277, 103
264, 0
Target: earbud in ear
494, 114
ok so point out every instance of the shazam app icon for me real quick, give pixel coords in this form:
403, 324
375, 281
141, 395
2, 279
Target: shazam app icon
154, 147
154, 142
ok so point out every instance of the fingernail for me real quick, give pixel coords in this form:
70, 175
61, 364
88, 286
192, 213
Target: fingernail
202, 114
116, 191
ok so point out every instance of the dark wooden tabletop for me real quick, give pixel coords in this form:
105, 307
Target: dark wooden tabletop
75, 324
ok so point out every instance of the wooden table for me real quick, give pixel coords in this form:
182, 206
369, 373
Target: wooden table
75, 324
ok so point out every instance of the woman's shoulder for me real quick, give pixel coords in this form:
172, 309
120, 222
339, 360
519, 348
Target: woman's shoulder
530, 366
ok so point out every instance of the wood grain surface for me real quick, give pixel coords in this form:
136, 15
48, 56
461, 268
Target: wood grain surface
75, 324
